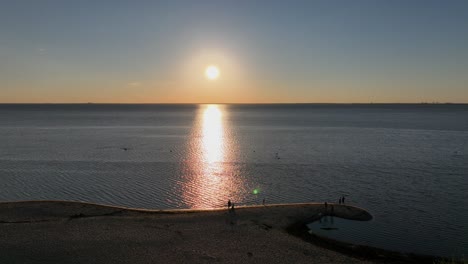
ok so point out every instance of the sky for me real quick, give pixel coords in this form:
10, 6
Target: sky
115, 51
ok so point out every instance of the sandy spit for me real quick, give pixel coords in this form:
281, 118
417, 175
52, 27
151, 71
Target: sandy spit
75, 232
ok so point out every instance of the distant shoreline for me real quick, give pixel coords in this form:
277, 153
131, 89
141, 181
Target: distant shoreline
97, 103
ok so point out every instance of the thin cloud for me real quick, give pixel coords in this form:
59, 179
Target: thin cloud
41, 50
134, 84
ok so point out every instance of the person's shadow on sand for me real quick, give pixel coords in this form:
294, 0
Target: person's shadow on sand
231, 217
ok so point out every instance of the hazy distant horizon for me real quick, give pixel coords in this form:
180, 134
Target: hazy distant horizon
247, 103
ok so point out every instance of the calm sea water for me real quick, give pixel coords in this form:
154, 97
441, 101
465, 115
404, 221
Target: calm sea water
407, 164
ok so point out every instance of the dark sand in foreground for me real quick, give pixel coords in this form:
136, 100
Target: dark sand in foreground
71, 232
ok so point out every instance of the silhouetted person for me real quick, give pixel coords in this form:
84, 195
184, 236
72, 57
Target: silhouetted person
342, 200
229, 203
263, 202
232, 207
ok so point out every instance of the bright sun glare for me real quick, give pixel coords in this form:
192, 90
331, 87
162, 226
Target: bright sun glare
212, 72
212, 134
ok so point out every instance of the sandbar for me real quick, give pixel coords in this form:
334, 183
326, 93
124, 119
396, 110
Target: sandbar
78, 232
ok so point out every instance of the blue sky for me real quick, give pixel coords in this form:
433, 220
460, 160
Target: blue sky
267, 51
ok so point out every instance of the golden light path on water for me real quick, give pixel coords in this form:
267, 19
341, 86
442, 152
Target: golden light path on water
212, 137
210, 179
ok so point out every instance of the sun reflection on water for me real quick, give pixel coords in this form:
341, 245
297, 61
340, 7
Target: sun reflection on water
209, 178
212, 136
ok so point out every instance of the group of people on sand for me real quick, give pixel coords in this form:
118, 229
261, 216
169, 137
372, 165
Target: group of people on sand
341, 200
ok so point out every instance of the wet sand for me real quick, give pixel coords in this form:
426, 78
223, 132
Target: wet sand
73, 232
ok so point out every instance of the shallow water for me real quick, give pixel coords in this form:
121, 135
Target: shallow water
372, 233
406, 164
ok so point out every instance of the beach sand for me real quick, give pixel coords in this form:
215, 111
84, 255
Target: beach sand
73, 232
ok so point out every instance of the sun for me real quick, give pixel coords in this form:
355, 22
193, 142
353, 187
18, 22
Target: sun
212, 72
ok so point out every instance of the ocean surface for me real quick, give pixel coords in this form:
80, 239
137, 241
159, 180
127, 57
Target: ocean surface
406, 164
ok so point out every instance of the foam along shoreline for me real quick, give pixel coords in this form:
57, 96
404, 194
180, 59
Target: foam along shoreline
77, 232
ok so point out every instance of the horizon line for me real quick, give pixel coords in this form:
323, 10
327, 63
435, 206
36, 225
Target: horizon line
273, 103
